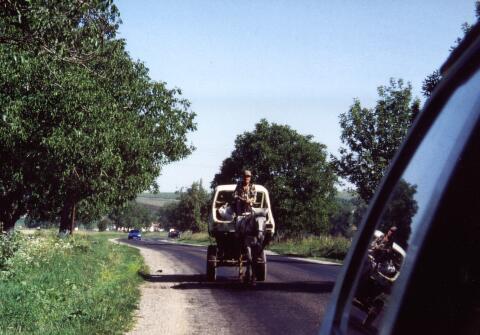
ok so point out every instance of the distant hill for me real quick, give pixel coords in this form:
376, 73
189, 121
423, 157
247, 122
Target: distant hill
155, 201
161, 195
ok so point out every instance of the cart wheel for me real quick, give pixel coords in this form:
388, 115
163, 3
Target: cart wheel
211, 263
261, 267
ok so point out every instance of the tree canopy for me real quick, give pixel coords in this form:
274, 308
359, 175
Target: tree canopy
131, 216
432, 80
346, 216
399, 212
83, 128
294, 169
190, 212
373, 135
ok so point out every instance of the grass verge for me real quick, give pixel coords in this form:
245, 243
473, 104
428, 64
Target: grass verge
324, 247
201, 238
77, 285
154, 235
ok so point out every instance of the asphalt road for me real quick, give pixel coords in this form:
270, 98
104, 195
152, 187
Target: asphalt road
292, 300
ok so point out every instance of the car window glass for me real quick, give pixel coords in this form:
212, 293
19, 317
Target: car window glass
443, 295
408, 207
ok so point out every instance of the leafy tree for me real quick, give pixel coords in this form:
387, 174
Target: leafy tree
83, 128
346, 216
70, 31
35, 38
131, 216
431, 82
293, 168
399, 211
167, 215
190, 212
102, 225
373, 135
341, 218
434, 78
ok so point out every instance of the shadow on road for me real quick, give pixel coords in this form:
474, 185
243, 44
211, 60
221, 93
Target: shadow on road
150, 243
179, 278
304, 287
286, 260
198, 281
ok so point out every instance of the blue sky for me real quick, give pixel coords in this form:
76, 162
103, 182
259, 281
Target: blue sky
299, 63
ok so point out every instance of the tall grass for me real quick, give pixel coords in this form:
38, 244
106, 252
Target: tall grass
315, 246
326, 246
196, 238
199, 238
78, 285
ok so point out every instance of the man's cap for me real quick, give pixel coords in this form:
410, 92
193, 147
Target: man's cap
247, 173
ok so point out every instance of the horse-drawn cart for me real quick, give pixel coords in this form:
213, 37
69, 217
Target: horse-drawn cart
240, 240
377, 280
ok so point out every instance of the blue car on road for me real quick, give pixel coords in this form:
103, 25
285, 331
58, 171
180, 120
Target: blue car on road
134, 234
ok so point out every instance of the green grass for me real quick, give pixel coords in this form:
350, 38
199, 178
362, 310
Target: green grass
324, 247
79, 285
156, 234
194, 238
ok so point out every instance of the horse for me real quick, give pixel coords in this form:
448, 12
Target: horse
250, 230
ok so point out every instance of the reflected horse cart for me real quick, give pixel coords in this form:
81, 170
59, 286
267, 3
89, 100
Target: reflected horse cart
378, 276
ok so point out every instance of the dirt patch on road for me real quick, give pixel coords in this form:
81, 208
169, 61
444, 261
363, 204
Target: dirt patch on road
166, 310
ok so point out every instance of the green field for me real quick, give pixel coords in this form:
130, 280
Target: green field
78, 285
155, 201
161, 195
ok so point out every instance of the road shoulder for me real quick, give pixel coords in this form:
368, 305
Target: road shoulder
164, 309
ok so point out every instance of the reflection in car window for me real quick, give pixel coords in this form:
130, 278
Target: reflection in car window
416, 192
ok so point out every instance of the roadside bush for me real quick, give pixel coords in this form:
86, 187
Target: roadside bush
9, 245
82, 284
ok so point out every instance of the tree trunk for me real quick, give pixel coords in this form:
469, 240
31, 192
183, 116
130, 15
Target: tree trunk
7, 222
72, 219
11, 209
67, 218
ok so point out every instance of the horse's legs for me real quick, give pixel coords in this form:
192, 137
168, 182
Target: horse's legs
249, 273
240, 268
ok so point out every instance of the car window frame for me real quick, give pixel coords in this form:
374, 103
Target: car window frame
455, 74
471, 125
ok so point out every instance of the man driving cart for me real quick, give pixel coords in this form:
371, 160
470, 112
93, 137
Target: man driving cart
244, 194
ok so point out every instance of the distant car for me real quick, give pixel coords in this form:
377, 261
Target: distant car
134, 234
173, 233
